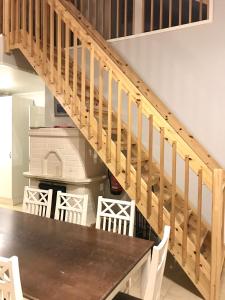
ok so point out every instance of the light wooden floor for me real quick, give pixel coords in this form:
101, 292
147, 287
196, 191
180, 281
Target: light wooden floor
170, 289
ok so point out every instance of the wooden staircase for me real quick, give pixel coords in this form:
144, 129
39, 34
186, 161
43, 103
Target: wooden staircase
105, 99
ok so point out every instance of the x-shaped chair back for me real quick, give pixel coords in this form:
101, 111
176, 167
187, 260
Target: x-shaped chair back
71, 208
37, 202
116, 215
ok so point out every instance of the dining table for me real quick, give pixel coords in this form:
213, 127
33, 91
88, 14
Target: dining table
60, 260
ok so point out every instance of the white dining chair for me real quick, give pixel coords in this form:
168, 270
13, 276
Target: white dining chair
10, 285
71, 208
116, 215
37, 202
155, 270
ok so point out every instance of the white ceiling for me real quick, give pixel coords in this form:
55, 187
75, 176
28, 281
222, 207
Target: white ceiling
13, 81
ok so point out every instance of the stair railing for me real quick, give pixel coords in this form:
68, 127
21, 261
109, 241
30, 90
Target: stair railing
116, 18
77, 65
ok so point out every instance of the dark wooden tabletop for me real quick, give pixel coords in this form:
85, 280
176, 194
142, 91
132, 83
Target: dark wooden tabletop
65, 261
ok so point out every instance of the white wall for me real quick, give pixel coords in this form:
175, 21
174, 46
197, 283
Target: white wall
50, 119
6, 151
38, 97
20, 146
14, 58
186, 69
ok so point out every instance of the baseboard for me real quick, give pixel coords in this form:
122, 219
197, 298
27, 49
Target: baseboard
6, 201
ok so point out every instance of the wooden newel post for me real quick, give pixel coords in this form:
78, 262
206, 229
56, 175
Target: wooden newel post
217, 233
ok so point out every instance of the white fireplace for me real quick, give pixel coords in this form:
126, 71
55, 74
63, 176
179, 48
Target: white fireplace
63, 156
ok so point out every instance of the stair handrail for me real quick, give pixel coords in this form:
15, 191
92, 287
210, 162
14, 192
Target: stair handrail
151, 104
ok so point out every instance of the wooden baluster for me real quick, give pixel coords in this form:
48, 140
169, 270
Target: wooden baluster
117, 18
134, 18
7, 25
174, 191
161, 192
170, 12
180, 12
190, 11
150, 144
95, 13
207, 5
109, 132
52, 43
83, 85
198, 229
17, 20
139, 150
106, 19
38, 30
82, 7
92, 85
1, 17
12, 18
200, 9
75, 98
118, 143
45, 37
109, 21
24, 24
185, 226
31, 26
88, 10
142, 17
100, 105
129, 136
59, 53
161, 15
67, 65
102, 17
125, 17
152, 16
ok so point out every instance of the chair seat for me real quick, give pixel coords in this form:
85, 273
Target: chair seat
122, 296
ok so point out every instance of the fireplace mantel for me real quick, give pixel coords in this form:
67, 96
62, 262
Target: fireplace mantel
74, 181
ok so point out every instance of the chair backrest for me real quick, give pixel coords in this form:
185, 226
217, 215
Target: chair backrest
157, 266
71, 208
116, 215
10, 285
37, 202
